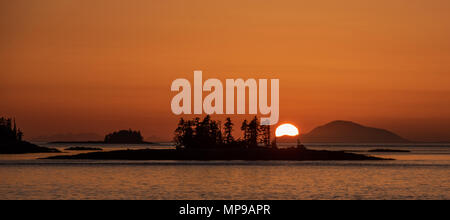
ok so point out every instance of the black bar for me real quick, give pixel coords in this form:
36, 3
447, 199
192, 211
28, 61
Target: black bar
308, 210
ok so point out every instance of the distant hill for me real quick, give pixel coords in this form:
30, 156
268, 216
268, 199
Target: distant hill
350, 132
72, 137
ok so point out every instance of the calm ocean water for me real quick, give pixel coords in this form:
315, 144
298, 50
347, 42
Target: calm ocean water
422, 174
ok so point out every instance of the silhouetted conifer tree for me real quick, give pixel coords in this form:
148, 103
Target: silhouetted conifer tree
228, 130
9, 132
265, 135
253, 132
244, 128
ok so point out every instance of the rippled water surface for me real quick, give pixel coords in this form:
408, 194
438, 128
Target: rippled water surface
424, 173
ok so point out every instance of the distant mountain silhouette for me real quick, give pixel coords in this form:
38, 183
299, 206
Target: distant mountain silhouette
350, 132
78, 137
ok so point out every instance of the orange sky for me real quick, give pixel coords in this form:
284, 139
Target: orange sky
100, 65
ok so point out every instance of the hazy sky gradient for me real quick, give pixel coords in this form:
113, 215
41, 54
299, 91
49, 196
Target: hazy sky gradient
101, 65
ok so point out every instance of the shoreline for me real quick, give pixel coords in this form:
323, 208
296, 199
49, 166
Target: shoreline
24, 147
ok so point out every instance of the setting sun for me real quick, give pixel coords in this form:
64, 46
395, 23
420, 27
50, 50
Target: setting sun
286, 129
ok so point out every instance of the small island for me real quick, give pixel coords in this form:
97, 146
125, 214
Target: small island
83, 149
11, 140
204, 140
124, 137
118, 137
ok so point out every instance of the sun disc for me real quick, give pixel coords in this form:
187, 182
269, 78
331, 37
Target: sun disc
286, 130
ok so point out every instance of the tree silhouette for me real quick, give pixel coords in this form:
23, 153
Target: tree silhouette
9, 132
265, 135
184, 134
228, 129
198, 134
253, 132
244, 128
207, 133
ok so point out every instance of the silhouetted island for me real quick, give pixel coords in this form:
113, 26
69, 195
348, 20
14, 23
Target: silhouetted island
117, 137
204, 140
350, 132
266, 154
11, 140
84, 149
